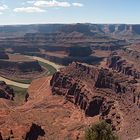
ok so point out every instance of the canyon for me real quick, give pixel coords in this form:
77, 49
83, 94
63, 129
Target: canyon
58, 43
76, 96
18, 67
96, 78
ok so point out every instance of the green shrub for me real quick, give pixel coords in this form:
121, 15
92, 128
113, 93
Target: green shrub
100, 131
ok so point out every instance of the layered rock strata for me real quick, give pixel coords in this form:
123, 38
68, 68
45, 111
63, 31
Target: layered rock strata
20, 66
89, 87
116, 62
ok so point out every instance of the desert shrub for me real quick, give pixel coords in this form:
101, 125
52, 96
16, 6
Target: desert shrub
100, 131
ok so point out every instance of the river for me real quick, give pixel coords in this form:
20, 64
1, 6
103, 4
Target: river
21, 85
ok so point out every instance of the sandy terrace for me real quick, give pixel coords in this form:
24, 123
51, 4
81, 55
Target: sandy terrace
18, 57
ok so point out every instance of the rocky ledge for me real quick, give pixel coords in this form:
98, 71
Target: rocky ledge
95, 90
116, 62
6, 91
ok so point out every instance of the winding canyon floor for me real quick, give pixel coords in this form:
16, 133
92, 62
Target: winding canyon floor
19, 83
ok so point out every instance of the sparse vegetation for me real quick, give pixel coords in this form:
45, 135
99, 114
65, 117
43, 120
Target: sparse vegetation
28, 81
19, 93
24, 81
100, 131
50, 68
50, 71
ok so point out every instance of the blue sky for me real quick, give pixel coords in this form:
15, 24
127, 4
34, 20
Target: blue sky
69, 11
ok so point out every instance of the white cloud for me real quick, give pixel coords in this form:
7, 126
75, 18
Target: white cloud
77, 4
30, 1
51, 3
29, 9
37, 5
3, 7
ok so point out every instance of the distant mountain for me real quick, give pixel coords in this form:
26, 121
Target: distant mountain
121, 31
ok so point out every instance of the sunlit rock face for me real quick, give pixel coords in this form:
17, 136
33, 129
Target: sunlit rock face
87, 87
116, 62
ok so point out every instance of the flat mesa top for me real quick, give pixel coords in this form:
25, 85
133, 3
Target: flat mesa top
19, 58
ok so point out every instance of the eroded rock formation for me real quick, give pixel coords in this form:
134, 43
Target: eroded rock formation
18, 66
81, 84
6, 91
116, 62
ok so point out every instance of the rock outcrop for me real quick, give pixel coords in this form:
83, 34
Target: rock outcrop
6, 91
81, 84
133, 52
116, 62
20, 66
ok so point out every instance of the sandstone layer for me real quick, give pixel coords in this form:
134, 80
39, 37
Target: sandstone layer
116, 62
100, 92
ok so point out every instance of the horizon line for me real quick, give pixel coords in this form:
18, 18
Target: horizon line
59, 23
